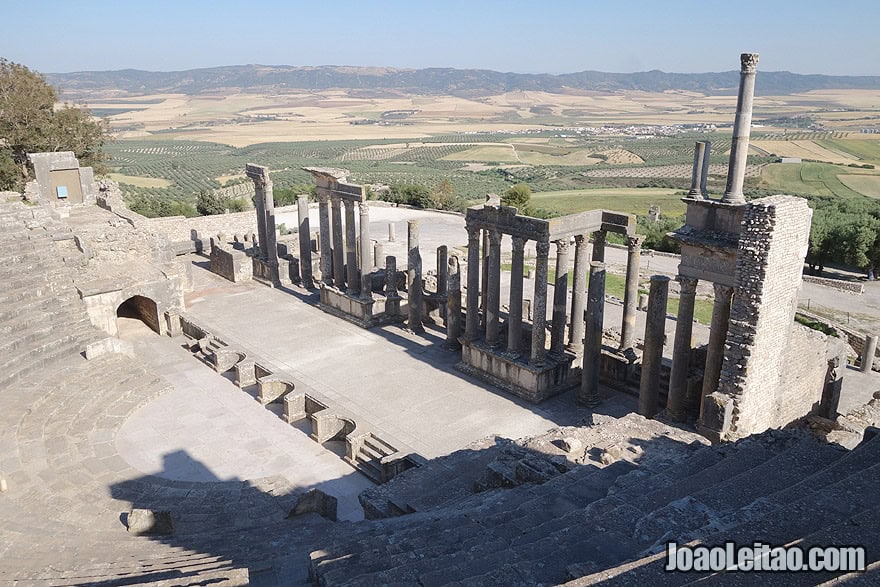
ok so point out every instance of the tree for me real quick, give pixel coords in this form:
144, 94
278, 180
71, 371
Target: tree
443, 196
29, 123
519, 196
209, 203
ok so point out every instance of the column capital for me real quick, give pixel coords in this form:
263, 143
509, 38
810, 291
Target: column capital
335, 202
364, 207
580, 240
349, 204
634, 242
562, 245
519, 243
542, 249
495, 238
723, 291
688, 285
749, 62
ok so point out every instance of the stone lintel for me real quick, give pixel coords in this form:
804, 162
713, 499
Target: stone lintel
505, 220
331, 183
257, 172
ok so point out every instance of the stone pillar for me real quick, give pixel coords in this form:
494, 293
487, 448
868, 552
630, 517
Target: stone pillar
652, 356
453, 304
560, 297
473, 285
391, 236
515, 314
539, 314
338, 245
324, 239
631, 290
599, 246
378, 254
717, 336
696, 176
260, 206
271, 235
414, 271
704, 174
442, 277
868, 353
676, 402
484, 279
589, 393
305, 241
493, 295
366, 254
578, 294
392, 297
739, 147
351, 257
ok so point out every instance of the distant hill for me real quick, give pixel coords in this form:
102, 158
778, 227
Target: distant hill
459, 82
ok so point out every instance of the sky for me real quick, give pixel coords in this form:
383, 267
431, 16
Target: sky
805, 36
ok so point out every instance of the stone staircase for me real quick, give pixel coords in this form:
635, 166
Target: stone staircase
608, 521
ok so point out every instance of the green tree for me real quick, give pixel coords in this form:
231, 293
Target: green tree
443, 196
519, 196
29, 123
209, 203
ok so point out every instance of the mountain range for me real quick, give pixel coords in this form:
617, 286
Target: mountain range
447, 81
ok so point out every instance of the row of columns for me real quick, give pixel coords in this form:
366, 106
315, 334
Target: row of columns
340, 263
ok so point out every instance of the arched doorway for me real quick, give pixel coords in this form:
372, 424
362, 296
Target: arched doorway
139, 308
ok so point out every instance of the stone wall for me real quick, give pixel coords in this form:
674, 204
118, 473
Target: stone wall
854, 287
177, 228
762, 350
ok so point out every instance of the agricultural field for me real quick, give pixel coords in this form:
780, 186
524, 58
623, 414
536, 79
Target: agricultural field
631, 200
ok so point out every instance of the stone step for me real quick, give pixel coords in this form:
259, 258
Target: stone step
377, 444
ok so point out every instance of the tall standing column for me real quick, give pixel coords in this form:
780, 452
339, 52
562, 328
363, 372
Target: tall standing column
260, 206
484, 280
472, 323
578, 294
305, 241
366, 252
697, 175
704, 174
717, 336
739, 147
442, 278
338, 244
652, 356
453, 304
560, 297
493, 297
589, 393
676, 402
539, 313
414, 270
514, 315
351, 257
599, 238
324, 238
631, 290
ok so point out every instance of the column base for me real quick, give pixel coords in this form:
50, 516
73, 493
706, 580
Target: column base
355, 309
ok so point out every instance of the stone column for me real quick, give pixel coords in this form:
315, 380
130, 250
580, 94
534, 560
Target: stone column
599, 246
652, 356
366, 254
739, 147
414, 271
631, 290
260, 206
442, 278
391, 236
484, 279
704, 174
305, 241
493, 295
717, 336
392, 297
351, 257
696, 177
560, 297
453, 304
868, 353
589, 393
338, 245
578, 294
472, 324
514, 315
539, 314
378, 254
324, 239
676, 402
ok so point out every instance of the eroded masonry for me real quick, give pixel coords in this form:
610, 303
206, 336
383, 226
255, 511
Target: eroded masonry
641, 436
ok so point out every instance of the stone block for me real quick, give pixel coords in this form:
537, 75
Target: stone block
143, 522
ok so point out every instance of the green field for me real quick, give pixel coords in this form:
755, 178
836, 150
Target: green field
630, 200
867, 185
807, 179
866, 149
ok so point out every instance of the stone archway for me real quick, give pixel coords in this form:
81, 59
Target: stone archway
140, 308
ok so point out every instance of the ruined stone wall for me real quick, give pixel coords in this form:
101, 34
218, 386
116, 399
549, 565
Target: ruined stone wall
178, 228
772, 246
803, 377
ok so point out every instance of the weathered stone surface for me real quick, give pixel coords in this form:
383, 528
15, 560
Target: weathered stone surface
143, 522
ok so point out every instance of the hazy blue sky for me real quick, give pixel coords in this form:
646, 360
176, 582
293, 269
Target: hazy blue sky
804, 36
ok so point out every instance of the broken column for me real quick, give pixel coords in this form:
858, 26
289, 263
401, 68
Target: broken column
539, 314
453, 304
560, 297
589, 392
697, 175
324, 238
578, 294
676, 402
378, 254
305, 242
352, 282
631, 290
868, 353
391, 236
414, 272
338, 244
717, 336
652, 355
739, 147
704, 174
473, 285
366, 253
515, 312
392, 297
442, 277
